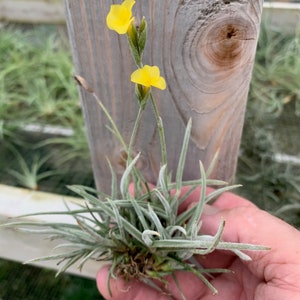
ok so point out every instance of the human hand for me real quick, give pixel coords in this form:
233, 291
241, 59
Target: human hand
271, 275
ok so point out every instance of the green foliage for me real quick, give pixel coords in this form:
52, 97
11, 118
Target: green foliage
272, 126
275, 81
35, 78
30, 175
36, 87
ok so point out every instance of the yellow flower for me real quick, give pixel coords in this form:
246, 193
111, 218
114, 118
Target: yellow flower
120, 17
149, 76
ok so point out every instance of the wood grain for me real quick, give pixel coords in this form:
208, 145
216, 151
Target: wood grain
18, 245
32, 11
205, 49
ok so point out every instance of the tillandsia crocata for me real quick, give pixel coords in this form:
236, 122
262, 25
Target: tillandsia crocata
140, 233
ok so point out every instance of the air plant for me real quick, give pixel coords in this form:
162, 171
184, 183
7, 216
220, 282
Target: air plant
29, 174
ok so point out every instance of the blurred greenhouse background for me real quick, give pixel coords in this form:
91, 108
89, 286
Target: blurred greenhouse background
43, 144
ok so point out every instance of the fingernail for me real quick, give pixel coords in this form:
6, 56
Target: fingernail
210, 210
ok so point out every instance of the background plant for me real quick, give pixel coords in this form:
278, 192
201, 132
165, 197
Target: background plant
36, 88
276, 72
272, 126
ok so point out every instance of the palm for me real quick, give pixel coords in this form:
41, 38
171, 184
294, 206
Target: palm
239, 284
280, 282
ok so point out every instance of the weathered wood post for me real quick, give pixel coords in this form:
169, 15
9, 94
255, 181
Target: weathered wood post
205, 49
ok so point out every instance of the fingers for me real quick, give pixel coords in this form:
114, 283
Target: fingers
193, 198
229, 200
248, 224
122, 290
131, 188
191, 286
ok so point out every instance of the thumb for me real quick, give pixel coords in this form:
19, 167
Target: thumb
123, 290
246, 223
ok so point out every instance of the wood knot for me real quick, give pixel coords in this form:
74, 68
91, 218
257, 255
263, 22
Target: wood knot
227, 42
231, 31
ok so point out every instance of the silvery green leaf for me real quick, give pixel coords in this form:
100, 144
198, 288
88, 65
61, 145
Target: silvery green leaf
161, 181
118, 219
216, 193
146, 236
139, 213
197, 212
172, 229
156, 221
181, 163
126, 177
164, 202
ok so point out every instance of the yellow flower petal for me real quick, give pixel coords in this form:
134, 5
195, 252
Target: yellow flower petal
120, 17
153, 71
128, 4
140, 77
149, 76
160, 83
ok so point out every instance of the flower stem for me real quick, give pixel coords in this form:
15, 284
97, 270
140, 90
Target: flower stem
161, 132
134, 131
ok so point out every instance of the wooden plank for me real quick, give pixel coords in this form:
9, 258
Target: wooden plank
205, 50
282, 17
20, 246
32, 11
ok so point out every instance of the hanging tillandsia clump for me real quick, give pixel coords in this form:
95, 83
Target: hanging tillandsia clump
138, 227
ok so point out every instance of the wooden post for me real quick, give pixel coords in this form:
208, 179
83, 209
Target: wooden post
205, 49
32, 11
